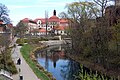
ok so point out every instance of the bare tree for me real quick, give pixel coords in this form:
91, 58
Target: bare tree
4, 43
102, 4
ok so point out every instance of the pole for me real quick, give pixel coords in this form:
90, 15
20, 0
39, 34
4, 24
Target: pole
46, 20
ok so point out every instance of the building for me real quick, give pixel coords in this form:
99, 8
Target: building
51, 25
6, 29
2, 26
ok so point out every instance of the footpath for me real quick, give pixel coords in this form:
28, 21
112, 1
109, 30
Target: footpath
24, 71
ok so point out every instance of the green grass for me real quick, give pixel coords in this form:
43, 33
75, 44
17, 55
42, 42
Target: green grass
25, 50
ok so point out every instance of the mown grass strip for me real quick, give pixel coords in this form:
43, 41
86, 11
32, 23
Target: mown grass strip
25, 50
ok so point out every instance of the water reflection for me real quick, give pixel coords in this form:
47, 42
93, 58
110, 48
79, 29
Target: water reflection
54, 60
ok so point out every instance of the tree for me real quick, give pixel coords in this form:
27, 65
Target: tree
81, 16
22, 27
116, 36
4, 14
102, 4
4, 45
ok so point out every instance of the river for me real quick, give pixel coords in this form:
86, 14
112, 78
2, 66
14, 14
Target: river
54, 60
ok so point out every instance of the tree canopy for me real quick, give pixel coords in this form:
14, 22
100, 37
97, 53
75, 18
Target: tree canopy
80, 10
21, 28
4, 14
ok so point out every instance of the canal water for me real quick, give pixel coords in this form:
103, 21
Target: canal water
54, 60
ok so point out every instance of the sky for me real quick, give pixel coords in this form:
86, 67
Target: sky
20, 9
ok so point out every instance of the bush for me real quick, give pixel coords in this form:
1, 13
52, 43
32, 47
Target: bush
20, 41
43, 39
25, 40
54, 38
35, 40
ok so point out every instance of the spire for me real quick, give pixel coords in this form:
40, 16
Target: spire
54, 13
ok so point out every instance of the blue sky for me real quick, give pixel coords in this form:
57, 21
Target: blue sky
33, 9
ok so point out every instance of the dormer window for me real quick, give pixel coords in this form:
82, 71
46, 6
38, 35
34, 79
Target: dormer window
39, 22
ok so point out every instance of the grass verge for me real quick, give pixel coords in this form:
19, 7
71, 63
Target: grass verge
25, 50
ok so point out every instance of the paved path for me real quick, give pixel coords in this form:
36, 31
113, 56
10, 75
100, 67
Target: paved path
25, 70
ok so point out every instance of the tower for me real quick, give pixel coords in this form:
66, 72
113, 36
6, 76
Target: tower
54, 12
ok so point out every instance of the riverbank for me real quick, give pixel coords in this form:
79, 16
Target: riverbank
23, 69
95, 66
28, 54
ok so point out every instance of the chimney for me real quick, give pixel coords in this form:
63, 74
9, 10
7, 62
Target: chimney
54, 13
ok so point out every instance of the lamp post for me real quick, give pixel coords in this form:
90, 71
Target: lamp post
46, 20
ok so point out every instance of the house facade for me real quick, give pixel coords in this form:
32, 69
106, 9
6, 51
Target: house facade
6, 29
51, 25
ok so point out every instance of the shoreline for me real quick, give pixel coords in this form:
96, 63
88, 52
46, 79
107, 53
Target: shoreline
96, 67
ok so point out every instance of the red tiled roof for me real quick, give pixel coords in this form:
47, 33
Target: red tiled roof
53, 18
10, 25
42, 30
42, 20
31, 21
59, 28
25, 20
1, 21
63, 21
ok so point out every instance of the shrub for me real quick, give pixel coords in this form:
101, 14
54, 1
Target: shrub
54, 38
20, 42
43, 39
26, 40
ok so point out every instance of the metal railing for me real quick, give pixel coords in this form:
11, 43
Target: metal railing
6, 74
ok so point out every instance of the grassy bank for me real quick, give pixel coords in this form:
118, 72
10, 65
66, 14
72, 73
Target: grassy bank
26, 50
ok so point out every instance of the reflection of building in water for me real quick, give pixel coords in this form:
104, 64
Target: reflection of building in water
53, 55
56, 56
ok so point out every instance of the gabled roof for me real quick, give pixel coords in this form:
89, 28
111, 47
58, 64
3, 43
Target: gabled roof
27, 20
